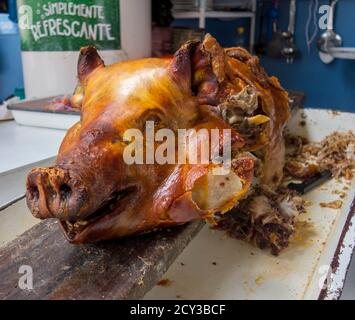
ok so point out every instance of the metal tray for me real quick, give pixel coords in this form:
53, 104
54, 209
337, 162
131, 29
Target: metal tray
215, 266
34, 113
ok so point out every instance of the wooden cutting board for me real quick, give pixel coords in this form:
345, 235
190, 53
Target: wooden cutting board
121, 269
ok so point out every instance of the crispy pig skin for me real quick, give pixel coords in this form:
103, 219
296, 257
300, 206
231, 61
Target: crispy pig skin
97, 196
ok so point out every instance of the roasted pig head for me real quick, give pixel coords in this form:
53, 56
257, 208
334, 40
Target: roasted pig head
97, 194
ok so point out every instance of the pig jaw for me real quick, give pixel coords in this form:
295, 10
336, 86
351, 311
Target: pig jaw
187, 193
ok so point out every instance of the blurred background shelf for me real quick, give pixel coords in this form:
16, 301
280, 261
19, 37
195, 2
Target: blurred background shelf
213, 14
203, 10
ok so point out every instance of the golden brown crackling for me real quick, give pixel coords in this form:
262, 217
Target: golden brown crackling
182, 93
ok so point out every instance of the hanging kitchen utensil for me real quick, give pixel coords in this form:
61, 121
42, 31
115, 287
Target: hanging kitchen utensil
274, 47
329, 38
282, 43
289, 50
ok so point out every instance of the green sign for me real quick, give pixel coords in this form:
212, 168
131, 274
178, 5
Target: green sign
49, 25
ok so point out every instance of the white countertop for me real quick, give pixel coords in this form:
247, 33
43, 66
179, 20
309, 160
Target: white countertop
21, 145
22, 148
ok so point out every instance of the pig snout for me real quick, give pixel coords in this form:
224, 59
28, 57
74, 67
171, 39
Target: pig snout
52, 193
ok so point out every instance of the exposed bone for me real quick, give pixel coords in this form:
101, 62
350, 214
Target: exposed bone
246, 100
212, 192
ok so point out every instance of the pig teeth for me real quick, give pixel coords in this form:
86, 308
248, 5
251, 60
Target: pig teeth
72, 227
69, 225
80, 224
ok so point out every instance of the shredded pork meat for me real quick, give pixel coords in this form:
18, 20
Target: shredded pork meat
336, 153
267, 218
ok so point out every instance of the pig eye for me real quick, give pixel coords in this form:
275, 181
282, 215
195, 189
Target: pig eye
118, 139
156, 116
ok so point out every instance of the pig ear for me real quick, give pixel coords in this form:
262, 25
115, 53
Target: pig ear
181, 65
208, 70
200, 65
89, 60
